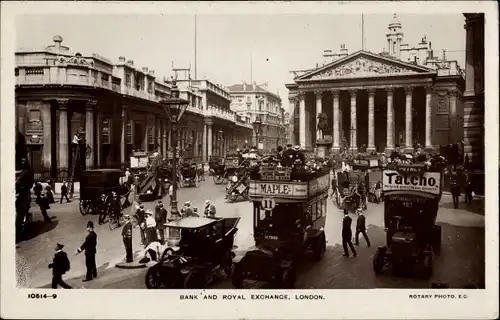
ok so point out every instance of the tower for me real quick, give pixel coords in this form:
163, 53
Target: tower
394, 37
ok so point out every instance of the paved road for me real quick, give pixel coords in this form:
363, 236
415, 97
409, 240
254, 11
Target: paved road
461, 261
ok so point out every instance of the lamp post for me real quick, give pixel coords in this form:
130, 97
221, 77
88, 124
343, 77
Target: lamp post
174, 108
256, 127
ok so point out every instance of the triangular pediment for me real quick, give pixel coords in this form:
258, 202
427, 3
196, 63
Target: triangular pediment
363, 64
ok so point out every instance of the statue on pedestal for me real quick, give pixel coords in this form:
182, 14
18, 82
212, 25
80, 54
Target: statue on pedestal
322, 124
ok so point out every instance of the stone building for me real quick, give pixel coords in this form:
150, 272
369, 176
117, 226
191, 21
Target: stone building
474, 89
115, 106
400, 96
252, 101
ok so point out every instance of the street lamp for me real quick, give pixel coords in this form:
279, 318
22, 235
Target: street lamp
174, 108
256, 127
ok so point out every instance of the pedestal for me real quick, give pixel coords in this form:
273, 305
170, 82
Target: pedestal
323, 147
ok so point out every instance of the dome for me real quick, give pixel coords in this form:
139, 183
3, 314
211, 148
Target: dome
394, 22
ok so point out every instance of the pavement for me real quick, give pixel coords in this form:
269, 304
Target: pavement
461, 262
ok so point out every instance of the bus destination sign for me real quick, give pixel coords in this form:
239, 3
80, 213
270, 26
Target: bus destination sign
426, 182
278, 189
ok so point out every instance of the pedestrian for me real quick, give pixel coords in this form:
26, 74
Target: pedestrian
347, 234
64, 192
151, 235
90, 248
37, 189
186, 210
60, 265
209, 209
455, 189
468, 192
48, 192
44, 206
361, 227
141, 221
161, 219
127, 238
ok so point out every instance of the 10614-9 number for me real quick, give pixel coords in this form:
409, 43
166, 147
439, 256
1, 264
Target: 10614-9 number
41, 296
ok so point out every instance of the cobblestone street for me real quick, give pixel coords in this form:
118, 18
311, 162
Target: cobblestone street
460, 263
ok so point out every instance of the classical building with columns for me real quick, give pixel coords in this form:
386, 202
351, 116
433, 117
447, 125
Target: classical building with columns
252, 101
116, 106
380, 100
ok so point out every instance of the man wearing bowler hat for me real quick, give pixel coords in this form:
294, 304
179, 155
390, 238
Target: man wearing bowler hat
90, 248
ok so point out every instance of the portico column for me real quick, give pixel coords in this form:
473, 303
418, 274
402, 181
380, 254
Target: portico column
336, 120
291, 104
353, 133
158, 134
319, 107
302, 119
371, 120
47, 141
123, 146
62, 160
428, 117
98, 138
89, 130
209, 137
408, 119
390, 120
146, 131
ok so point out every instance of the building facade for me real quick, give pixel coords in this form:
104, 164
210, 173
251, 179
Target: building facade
253, 101
401, 96
115, 106
474, 90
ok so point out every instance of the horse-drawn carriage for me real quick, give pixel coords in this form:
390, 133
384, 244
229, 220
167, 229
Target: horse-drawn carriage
96, 183
189, 173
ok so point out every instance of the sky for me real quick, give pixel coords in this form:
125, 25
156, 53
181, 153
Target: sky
233, 48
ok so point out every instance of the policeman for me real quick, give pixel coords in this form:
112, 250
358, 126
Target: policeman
90, 248
127, 238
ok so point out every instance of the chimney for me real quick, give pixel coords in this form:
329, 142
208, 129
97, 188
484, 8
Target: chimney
130, 62
121, 59
343, 51
145, 69
253, 85
152, 72
244, 86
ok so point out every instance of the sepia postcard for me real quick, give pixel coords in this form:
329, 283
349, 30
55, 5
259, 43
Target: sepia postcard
249, 160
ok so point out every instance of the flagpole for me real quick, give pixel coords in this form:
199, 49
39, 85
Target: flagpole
362, 32
195, 53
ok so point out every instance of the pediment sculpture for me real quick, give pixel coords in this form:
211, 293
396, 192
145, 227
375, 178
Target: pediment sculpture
362, 67
78, 60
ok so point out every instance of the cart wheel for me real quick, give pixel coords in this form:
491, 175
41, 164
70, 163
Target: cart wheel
378, 260
319, 247
237, 276
288, 278
153, 278
427, 270
195, 280
84, 207
218, 179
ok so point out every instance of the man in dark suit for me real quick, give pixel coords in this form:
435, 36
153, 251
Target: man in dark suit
347, 234
64, 192
127, 238
90, 248
60, 265
161, 219
361, 228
